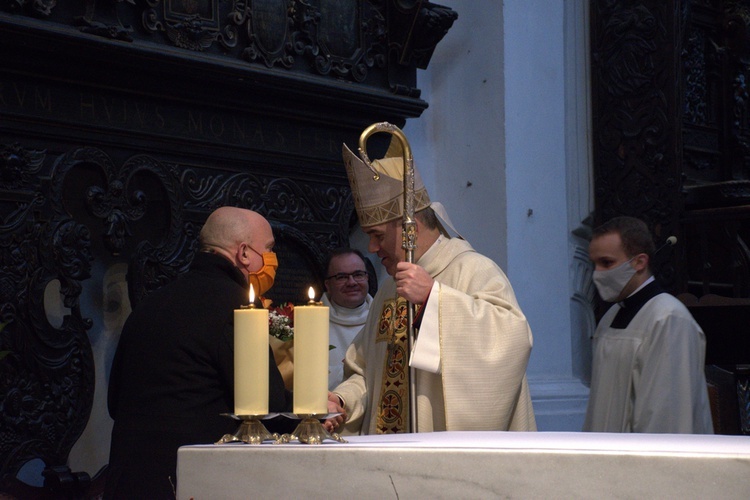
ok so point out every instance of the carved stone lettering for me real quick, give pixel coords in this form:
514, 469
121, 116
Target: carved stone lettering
167, 119
15, 96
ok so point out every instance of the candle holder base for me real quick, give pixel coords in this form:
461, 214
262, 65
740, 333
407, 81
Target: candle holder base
311, 431
250, 431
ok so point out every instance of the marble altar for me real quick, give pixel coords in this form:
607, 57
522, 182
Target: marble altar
473, 465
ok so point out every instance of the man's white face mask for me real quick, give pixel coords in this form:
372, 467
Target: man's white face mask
611, 282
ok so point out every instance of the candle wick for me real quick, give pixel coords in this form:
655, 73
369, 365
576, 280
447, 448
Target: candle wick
248, 306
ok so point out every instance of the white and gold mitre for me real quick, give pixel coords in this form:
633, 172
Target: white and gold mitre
381, 200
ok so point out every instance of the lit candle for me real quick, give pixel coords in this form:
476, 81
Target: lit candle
251, 359
311, 358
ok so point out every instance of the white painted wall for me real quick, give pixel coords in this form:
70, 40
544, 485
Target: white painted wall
536, 197
458, 142
498, 147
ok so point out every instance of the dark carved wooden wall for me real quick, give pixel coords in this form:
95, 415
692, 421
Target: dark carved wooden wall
637, 145
123, 124
717, 149
672, 134
672, 146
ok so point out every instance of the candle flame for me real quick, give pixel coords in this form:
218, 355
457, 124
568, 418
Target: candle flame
252, 294
311, 293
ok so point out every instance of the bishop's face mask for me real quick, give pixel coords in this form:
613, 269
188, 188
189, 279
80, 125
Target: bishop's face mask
611, 282
262, 279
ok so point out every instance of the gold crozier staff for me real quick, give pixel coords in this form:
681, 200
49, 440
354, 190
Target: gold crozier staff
408, 237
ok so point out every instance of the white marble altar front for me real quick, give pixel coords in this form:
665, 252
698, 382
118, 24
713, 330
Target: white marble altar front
473, 465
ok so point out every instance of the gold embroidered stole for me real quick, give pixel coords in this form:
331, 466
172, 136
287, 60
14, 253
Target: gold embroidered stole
393, 404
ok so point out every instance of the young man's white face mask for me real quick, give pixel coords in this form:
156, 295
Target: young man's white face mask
610, 283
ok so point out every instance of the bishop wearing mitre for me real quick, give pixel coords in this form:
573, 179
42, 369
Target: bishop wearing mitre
472, 341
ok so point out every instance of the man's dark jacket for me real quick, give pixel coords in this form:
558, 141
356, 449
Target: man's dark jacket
173, 376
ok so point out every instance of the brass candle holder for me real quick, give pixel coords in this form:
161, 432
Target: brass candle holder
310, 430
250, 431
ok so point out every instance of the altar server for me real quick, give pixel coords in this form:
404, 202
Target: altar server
473, 341
347, 287
648, 364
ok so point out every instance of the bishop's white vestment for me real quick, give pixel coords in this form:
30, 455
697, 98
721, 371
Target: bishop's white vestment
471, 352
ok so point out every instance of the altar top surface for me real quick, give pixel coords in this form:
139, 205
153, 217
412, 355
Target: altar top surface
473, 465
573, 442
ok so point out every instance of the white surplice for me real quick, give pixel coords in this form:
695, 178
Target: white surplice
649, 376
345, 324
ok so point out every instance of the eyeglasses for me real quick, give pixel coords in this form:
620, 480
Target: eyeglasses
358, 276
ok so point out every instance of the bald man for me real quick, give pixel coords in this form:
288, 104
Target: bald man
173, 372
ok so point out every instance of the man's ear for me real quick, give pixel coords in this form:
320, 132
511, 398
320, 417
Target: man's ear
243, 256
641, 262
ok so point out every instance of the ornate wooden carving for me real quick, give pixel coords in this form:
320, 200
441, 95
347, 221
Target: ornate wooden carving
194, 25
101, 18
347, 38
672, 137
36, 8
717, 156
124, 124
416, 28
637, 148
47, 377
677, 155
270, 32
160, 205
337, 38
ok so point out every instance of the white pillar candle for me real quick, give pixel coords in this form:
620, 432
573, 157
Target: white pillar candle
311, 359
251, 360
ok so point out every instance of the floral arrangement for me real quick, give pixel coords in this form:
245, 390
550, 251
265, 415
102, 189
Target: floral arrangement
281, 321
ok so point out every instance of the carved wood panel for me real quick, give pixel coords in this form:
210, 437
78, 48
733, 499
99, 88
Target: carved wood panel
717, 156
637, 147
671, 133
124, 124
671, 136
